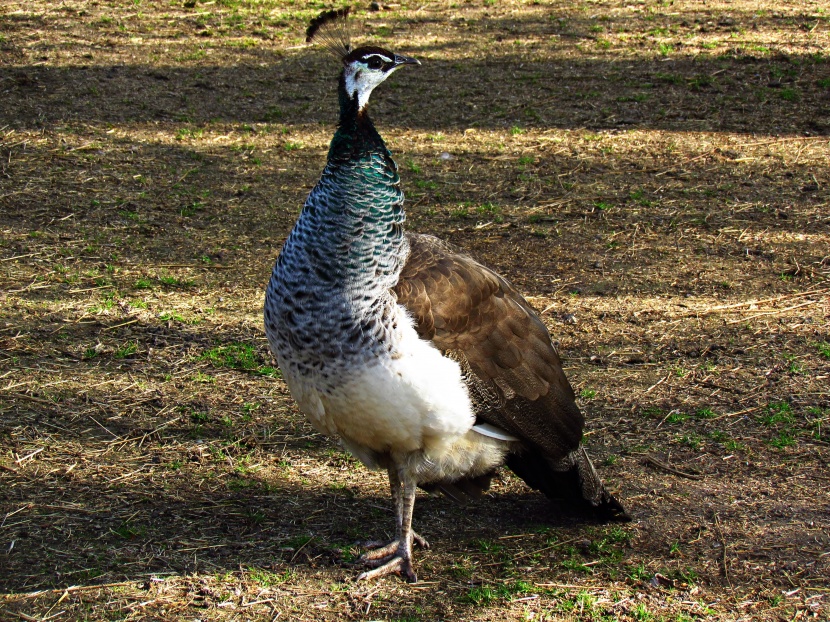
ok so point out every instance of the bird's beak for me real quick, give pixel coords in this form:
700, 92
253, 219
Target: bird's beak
400, 59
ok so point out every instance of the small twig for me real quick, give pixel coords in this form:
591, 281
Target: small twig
722, 541
297, 552
740, 412
46, 615
668, 414
546, 548
21, 616
103, 427
657, 384
122, 324
186, 173
714, 150
662, 465
763, 300
258, 602
27, 456
142, 438
569, 586
120, 477
776, 312
18, 257
32, 398
206, 266
72, 588
90, 289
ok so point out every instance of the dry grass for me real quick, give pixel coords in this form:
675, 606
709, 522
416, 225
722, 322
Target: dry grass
653, 175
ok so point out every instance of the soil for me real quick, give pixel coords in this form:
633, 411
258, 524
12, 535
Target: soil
652, 175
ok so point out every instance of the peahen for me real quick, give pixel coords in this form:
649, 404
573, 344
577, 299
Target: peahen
419, 359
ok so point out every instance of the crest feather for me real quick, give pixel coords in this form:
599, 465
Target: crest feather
331, 29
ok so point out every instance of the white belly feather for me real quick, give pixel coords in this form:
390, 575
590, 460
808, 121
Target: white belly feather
413, 405
413, 401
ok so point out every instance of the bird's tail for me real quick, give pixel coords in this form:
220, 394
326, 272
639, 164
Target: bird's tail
571, 480
462, 490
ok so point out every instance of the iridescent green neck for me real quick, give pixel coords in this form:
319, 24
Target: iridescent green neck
356, 136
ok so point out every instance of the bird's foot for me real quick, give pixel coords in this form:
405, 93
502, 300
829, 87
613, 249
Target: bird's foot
381, 551
400, 563
391, 558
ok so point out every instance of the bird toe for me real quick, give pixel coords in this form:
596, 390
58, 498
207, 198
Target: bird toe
420, 541
399, 565
380, 552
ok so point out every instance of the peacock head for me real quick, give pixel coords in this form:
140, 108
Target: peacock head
364, 67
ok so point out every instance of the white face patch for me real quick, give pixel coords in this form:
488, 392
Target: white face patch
362, 79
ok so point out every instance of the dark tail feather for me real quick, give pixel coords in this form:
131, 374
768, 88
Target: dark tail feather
462, 490
572, 480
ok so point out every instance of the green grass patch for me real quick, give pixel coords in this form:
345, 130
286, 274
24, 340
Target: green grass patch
488, 209
172, 281
676, 417
239, 356
297, 542
691, 440
638, 572
652, 412
488, 547
577, 566
129, 531
777, 413
790, 95
665, 49
191, 209
481, 595
734, 445
125, 351
266, 578
486, 594
784, 439
171, 316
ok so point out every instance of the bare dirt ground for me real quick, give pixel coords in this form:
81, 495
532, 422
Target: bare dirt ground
655, 176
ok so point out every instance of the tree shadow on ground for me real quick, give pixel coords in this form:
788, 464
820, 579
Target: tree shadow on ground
779, 95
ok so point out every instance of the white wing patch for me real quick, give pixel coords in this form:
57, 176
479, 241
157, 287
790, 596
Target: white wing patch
485, 429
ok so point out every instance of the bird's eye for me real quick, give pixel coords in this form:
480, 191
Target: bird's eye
374, 63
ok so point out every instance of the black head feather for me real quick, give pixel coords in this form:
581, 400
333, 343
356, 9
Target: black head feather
331, 29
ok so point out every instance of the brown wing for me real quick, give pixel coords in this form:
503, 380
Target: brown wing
476, 317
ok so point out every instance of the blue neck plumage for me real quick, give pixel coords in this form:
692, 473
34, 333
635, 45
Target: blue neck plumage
350, 231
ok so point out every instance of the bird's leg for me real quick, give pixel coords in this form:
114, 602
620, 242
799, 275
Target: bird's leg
396, 556
380, 549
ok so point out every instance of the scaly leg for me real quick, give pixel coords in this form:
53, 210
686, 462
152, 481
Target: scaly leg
397, 555
382, 550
